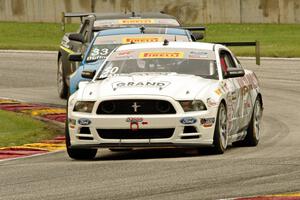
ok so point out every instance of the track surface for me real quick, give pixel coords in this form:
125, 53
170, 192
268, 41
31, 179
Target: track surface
271, 167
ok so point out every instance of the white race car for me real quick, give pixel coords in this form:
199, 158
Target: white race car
165, 94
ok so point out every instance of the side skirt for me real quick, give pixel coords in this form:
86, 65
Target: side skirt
238, 137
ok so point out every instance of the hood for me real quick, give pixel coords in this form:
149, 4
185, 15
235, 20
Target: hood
176, 86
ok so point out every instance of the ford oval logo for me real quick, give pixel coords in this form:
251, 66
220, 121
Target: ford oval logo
84, 121
188, 120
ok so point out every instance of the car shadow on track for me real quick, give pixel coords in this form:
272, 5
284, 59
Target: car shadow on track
154, 153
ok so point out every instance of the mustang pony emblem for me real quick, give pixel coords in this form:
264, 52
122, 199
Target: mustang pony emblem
135, 106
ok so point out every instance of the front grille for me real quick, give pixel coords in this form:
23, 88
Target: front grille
136, 106
135, 134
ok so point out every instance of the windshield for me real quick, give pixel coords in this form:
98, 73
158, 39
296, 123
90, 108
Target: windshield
195, 63
105, 44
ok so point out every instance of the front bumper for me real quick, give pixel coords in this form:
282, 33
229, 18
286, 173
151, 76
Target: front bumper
192, 134
180, 137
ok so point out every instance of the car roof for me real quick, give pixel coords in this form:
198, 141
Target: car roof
175, 45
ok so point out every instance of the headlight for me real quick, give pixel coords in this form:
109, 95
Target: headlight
84, 106
195, 105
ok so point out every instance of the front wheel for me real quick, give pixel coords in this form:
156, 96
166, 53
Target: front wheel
220, 133
82, 154
78, 154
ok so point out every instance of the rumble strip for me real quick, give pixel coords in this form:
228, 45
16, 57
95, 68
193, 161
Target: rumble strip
41, 112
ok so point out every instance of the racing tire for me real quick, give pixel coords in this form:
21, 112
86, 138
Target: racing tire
62, 87
253, 131
220, 134
78, 154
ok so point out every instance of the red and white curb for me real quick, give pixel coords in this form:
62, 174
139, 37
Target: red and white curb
41, 112
287, 196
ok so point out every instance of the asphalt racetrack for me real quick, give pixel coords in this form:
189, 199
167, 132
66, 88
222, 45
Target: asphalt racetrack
270, 168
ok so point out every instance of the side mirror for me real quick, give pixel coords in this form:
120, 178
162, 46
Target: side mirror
197, 36
75, 57
234, 72
88, 74
76, 37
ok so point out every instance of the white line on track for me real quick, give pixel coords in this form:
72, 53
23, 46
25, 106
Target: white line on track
27, 51
34, 155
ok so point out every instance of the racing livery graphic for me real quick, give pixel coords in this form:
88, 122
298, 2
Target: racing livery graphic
165, 94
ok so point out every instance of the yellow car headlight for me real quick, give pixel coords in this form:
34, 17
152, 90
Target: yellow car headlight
195, 105
84, 106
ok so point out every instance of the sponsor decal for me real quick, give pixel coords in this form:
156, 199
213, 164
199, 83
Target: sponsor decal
188, 120
211, 103
136, 21
135, 123
168, 21
140, 39
160, 84
207, 122
218, 92
161, 55
84, 121
198, 54
224, 86
124, 53
134, 119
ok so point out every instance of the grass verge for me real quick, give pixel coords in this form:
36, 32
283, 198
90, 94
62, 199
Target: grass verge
277, 40
18, 129
32, 36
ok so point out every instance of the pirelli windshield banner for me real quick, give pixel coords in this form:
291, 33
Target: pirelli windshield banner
159, 54
137, 38
135, 21
126, 40
163, 54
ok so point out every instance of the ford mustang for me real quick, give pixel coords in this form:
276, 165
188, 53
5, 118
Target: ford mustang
162, 94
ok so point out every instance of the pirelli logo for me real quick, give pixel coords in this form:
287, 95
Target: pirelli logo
136, 21
141, 39
161, 55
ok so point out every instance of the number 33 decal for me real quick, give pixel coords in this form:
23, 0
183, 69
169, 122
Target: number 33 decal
104, 52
